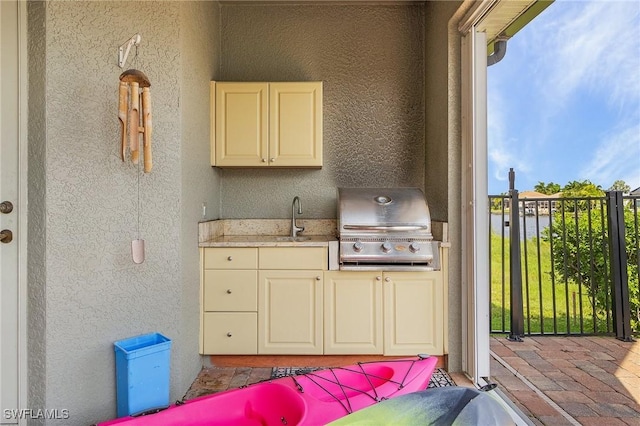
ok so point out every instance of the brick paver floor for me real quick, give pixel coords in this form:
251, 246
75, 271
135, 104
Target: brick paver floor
570, 380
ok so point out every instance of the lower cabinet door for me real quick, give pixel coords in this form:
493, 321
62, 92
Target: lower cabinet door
413, 313
290, 312
353, 312
230, 333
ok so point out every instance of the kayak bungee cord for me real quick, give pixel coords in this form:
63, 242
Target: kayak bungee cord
373, 388
348, 410
315, 379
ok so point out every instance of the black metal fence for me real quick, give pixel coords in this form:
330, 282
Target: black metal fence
565, 266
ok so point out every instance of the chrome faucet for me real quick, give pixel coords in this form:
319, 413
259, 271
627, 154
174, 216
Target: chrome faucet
295, 228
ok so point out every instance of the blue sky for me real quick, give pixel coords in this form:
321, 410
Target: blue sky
564, 103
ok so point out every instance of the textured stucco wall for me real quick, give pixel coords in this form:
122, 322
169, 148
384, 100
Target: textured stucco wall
437, 94
199, 48
370, 58
443, 139
93, 293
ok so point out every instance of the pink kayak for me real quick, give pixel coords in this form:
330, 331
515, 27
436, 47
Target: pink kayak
314, 398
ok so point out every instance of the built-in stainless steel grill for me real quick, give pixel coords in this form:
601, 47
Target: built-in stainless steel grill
388, 228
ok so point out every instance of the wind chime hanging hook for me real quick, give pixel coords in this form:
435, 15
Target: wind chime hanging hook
123, 50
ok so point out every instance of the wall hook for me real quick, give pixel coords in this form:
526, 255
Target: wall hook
123, 51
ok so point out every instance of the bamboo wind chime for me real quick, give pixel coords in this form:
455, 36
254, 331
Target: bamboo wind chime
134, 93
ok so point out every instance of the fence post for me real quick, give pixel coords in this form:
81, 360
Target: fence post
619, 277
515, 269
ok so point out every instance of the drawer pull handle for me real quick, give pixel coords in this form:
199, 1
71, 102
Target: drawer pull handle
230, 258
228, 291
229, 334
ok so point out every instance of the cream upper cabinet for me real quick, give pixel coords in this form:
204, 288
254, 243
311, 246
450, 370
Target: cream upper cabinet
295, 124
352, 312
266, 124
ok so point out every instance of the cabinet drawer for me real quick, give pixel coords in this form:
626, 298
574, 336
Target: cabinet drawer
293, 258
230, 290
230, 258
230, 333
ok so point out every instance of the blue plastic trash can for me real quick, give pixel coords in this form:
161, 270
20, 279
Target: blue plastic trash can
142, 373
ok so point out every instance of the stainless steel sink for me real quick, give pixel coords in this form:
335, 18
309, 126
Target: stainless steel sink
293, 239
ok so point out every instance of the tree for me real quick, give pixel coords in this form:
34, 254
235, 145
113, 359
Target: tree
582, 194
547, 188
581, 255
620, 185
496, 202
582, 189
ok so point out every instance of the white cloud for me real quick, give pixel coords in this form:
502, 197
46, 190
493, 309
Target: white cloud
592, 46
599, 53
579, 60
504, 152
617, 157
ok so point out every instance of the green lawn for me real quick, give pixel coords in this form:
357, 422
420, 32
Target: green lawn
542, 294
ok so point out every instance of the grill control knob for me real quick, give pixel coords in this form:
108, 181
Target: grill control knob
414, 247
358, 246
386, 247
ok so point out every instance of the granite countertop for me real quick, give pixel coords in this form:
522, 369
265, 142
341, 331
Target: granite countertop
265, 233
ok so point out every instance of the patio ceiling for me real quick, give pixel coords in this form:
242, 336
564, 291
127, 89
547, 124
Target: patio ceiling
507, 17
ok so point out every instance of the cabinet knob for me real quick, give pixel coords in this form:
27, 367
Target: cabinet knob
387, 279
318, 278
378, 278
230, 258
228, 291
229, 334
264, 160
272, 159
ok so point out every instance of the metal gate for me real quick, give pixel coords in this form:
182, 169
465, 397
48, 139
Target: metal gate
564, 266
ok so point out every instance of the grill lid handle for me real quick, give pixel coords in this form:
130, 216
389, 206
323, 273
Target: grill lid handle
385, 227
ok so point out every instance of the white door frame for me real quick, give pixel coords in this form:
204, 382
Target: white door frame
23, 207
15, 9
475, 205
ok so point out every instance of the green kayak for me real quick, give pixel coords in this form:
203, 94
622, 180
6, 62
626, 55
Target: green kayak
452, 405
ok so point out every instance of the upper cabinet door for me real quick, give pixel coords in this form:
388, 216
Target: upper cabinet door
241, 124
295, 132
266, 124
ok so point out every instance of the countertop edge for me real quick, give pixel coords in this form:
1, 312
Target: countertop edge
266, 241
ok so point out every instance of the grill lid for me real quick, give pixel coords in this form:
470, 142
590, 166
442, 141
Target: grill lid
397, 211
